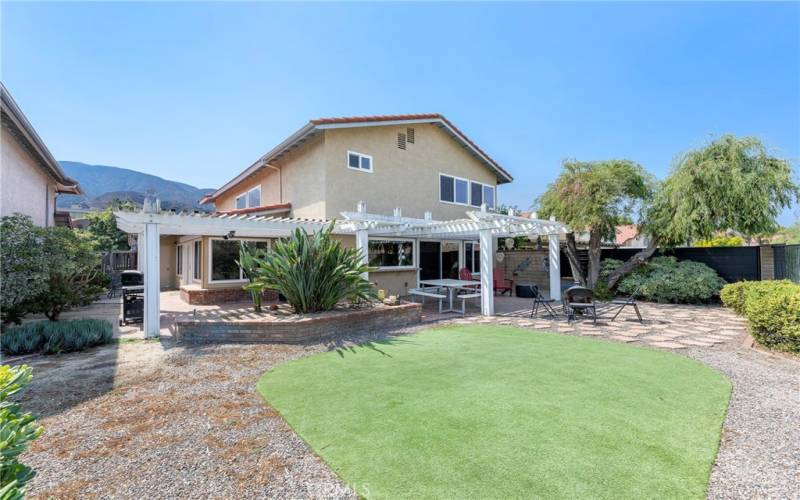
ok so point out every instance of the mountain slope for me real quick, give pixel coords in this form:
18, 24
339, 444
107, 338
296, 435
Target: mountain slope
102, 184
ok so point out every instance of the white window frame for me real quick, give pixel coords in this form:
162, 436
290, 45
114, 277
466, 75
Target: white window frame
179, 258
413, 265
455, 178
494, 196
246, 196
469, 182
210, 260
197, 263
360, 157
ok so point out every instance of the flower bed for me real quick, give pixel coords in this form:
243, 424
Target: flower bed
283, 327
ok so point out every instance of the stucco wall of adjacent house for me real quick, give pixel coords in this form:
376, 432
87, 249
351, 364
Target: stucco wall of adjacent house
24, 186
301, 180
408, 178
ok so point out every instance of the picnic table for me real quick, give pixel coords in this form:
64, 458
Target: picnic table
452, 287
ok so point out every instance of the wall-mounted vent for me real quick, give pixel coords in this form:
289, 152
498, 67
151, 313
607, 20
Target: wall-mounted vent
410, 135
401, 141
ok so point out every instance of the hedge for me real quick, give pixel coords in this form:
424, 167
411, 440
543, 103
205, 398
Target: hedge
772, 309
53, 337
667, 279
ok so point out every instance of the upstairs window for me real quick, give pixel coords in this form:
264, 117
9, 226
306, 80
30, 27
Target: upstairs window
359, 161
476, 194
249, 199
488, 196
453, 189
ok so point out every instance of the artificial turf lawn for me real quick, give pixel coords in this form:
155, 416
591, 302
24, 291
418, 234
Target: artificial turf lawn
498, 412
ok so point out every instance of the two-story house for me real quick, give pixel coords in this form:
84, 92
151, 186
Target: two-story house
421, 164
30, 178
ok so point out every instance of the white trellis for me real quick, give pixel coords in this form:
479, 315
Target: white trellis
480, 225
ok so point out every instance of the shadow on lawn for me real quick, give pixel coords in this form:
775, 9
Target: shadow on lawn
373, 345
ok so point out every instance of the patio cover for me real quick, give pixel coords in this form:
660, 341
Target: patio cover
150, 224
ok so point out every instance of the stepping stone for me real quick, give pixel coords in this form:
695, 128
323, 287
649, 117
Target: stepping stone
696, 343
709, 340
658, 338
623, 339
629, 334
591, 332
668, 345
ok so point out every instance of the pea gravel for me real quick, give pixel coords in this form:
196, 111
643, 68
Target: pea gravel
156, 420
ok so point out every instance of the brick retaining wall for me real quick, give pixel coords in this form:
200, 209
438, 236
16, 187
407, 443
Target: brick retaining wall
210, 296
299, 329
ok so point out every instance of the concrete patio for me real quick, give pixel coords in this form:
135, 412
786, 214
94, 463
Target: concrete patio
666, 326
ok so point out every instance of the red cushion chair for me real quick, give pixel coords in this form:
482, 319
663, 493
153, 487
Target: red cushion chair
501, 284
465, 274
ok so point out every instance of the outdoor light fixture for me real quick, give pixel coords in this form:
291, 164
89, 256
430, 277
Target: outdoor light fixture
230, 235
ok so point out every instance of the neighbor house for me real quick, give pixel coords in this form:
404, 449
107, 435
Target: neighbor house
30, 178
420, 164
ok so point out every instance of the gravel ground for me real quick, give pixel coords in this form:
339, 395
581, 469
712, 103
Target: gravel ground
154, 420
759, 455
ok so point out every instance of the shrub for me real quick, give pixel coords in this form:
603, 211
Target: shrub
772, 309
74, 274
17, 429
23, 273
313, 272
666, 279
56, 337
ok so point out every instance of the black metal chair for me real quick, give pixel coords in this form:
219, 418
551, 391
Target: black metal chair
578, 299
624, 302
538, 300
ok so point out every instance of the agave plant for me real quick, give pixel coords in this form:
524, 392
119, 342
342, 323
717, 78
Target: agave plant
313, 271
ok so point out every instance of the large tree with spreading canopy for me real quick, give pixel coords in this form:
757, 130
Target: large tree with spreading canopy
595, 197
732, 183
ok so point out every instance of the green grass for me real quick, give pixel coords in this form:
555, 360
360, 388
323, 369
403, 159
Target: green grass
499, 412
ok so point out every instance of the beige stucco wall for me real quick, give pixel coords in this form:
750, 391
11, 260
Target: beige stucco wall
167, 256
408, 178
301, 176
24, 187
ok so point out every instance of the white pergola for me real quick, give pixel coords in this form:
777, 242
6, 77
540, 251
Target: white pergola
482, 225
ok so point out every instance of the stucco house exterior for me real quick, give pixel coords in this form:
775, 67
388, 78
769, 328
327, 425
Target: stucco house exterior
420, 166
30, 178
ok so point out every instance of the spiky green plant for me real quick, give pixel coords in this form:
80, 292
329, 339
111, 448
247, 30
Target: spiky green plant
249, 257
17, 429
56, 337
313, 271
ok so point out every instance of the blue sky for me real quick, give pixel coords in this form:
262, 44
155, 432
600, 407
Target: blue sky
196, 91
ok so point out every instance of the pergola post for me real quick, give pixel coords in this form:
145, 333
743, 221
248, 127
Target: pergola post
362, 245
139, 254
487, 285
150, 252
555, 267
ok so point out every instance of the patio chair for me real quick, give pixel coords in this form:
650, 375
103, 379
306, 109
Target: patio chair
465, 274
538, 300
501, 283
624, 302
578, 299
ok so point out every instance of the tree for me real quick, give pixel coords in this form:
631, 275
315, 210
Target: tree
732, 183
102, 231
74, 277
595, 197
721, 241
23, 271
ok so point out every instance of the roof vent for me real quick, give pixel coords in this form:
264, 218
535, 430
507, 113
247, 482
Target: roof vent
410, 135
401, 141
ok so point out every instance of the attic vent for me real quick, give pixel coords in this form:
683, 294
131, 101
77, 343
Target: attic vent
410, 135
401, 141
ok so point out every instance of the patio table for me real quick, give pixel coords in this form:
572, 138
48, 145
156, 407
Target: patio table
451, 285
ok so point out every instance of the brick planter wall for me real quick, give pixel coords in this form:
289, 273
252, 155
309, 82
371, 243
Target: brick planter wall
209, 296
299, 329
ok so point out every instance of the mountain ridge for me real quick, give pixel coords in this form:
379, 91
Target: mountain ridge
102, 184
